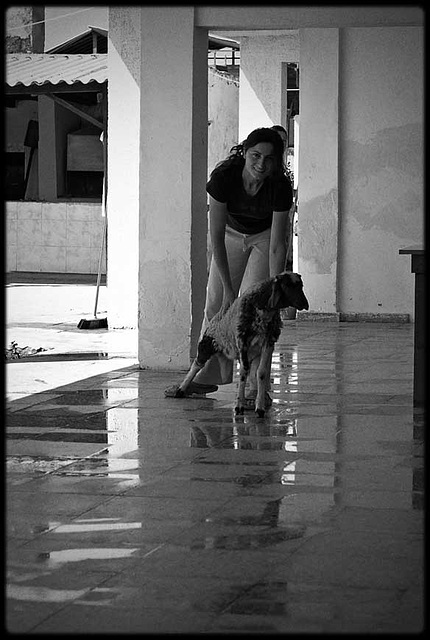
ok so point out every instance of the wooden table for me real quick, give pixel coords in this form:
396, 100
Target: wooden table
417, 254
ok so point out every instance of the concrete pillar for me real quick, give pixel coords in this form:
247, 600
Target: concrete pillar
318, 162
123, 165
47, 159
173, 172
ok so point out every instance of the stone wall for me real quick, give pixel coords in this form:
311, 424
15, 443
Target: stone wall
60, 237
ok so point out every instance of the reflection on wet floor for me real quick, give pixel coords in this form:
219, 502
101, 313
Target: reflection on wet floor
130, 512
80, 555
70, 357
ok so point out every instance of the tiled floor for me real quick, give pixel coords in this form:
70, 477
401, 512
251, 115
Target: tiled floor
129, 512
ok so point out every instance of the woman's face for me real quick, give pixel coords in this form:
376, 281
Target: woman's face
260, 160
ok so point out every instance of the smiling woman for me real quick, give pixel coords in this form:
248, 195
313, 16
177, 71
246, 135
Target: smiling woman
249, 201
260, 162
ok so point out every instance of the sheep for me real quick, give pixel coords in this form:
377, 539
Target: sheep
247, 331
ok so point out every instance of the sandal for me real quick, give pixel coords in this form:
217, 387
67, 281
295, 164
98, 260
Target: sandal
194, 389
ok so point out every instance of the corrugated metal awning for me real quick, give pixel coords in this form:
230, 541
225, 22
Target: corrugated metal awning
39, 69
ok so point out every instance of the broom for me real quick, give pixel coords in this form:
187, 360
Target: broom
99, 323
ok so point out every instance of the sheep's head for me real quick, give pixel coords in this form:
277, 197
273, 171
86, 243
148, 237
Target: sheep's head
287, 291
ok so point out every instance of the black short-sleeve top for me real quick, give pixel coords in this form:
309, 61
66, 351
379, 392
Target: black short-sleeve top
245, 213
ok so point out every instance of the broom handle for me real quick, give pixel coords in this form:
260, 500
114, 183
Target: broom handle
104, 213
99, 273
27, 173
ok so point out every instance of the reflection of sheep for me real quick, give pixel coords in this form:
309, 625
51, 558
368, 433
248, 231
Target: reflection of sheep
248, 332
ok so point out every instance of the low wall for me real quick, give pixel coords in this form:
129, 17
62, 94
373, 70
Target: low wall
60, 237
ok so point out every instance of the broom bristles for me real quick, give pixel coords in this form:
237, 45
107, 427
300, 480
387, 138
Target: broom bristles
96, 323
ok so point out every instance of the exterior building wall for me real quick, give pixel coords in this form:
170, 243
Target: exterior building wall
18, 29
173, 161
43, 233
276, 17
124, 159
123, 171
260, 96
318, 213
25, 29
353, 215
223, 116
171, 110
58, 237
381, 169
360, 160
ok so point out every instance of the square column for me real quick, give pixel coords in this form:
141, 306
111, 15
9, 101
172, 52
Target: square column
123, 170
172, 195
318, 216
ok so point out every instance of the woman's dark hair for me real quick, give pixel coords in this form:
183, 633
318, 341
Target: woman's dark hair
279, 127
262, 134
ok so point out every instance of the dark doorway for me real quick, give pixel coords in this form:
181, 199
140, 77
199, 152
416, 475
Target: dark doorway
14, 175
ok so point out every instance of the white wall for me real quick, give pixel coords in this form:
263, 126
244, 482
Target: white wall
261, 104
58, 237
360, 157
275, 17
223, 131
381, 181
318, 166
123, 165
172, 162
173, 204
124, 156
260, 98
223, 115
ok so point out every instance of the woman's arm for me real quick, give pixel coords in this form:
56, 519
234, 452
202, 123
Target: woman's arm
217, 222
278, 242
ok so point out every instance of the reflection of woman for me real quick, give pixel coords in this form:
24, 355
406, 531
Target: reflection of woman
249, 201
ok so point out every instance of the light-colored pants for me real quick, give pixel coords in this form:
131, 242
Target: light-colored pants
248, 261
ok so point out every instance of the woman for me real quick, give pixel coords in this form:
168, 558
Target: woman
249, 200
284, 136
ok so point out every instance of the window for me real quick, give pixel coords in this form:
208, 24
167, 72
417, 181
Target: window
292, 98
84, 184
85, 164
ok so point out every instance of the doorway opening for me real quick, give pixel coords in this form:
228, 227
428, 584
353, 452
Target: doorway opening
290, 114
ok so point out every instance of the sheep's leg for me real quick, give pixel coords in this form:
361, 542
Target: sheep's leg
252, 390
205, 351
243, 375
263, 377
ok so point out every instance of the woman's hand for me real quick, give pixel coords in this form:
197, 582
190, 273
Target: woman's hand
217, 219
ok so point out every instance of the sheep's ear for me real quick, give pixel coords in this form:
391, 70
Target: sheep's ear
279, 297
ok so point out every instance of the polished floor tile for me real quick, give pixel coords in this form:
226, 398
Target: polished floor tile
129, 512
